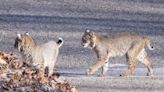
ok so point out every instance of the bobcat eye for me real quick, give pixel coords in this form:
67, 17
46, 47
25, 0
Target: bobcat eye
18, 39
84, 40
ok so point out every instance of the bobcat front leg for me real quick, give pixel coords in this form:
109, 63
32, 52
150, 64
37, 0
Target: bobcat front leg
99, 63
132, 56
104, 69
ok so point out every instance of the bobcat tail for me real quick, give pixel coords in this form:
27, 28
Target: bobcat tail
60, 42
148, 43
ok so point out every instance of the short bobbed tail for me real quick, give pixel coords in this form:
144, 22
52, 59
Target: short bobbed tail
148, 43
60, 41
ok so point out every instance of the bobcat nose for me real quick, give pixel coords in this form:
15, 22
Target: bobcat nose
85, 45
82, 43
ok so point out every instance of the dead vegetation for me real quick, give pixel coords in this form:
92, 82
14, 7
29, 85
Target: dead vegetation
16, 78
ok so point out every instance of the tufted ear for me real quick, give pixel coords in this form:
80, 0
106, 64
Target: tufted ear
27, 34
87, 31
19, 36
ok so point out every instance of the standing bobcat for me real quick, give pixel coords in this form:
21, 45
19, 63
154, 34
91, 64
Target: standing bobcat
118, 44
41, 56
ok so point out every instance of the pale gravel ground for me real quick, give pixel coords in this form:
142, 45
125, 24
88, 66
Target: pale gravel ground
48, 19
117, 84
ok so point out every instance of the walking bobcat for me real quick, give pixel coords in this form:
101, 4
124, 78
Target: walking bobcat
117, 44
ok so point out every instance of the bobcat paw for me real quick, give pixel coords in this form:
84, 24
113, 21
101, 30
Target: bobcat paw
89, 71
124, 75
101, 75
150, 74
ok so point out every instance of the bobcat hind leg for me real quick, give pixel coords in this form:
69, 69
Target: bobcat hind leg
144, 59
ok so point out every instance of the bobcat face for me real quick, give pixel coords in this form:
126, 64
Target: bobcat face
88, 39
23, 41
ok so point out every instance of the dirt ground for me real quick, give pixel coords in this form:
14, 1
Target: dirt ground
49, 19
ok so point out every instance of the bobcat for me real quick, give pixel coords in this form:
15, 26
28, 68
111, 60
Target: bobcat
117, 44
41, 56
